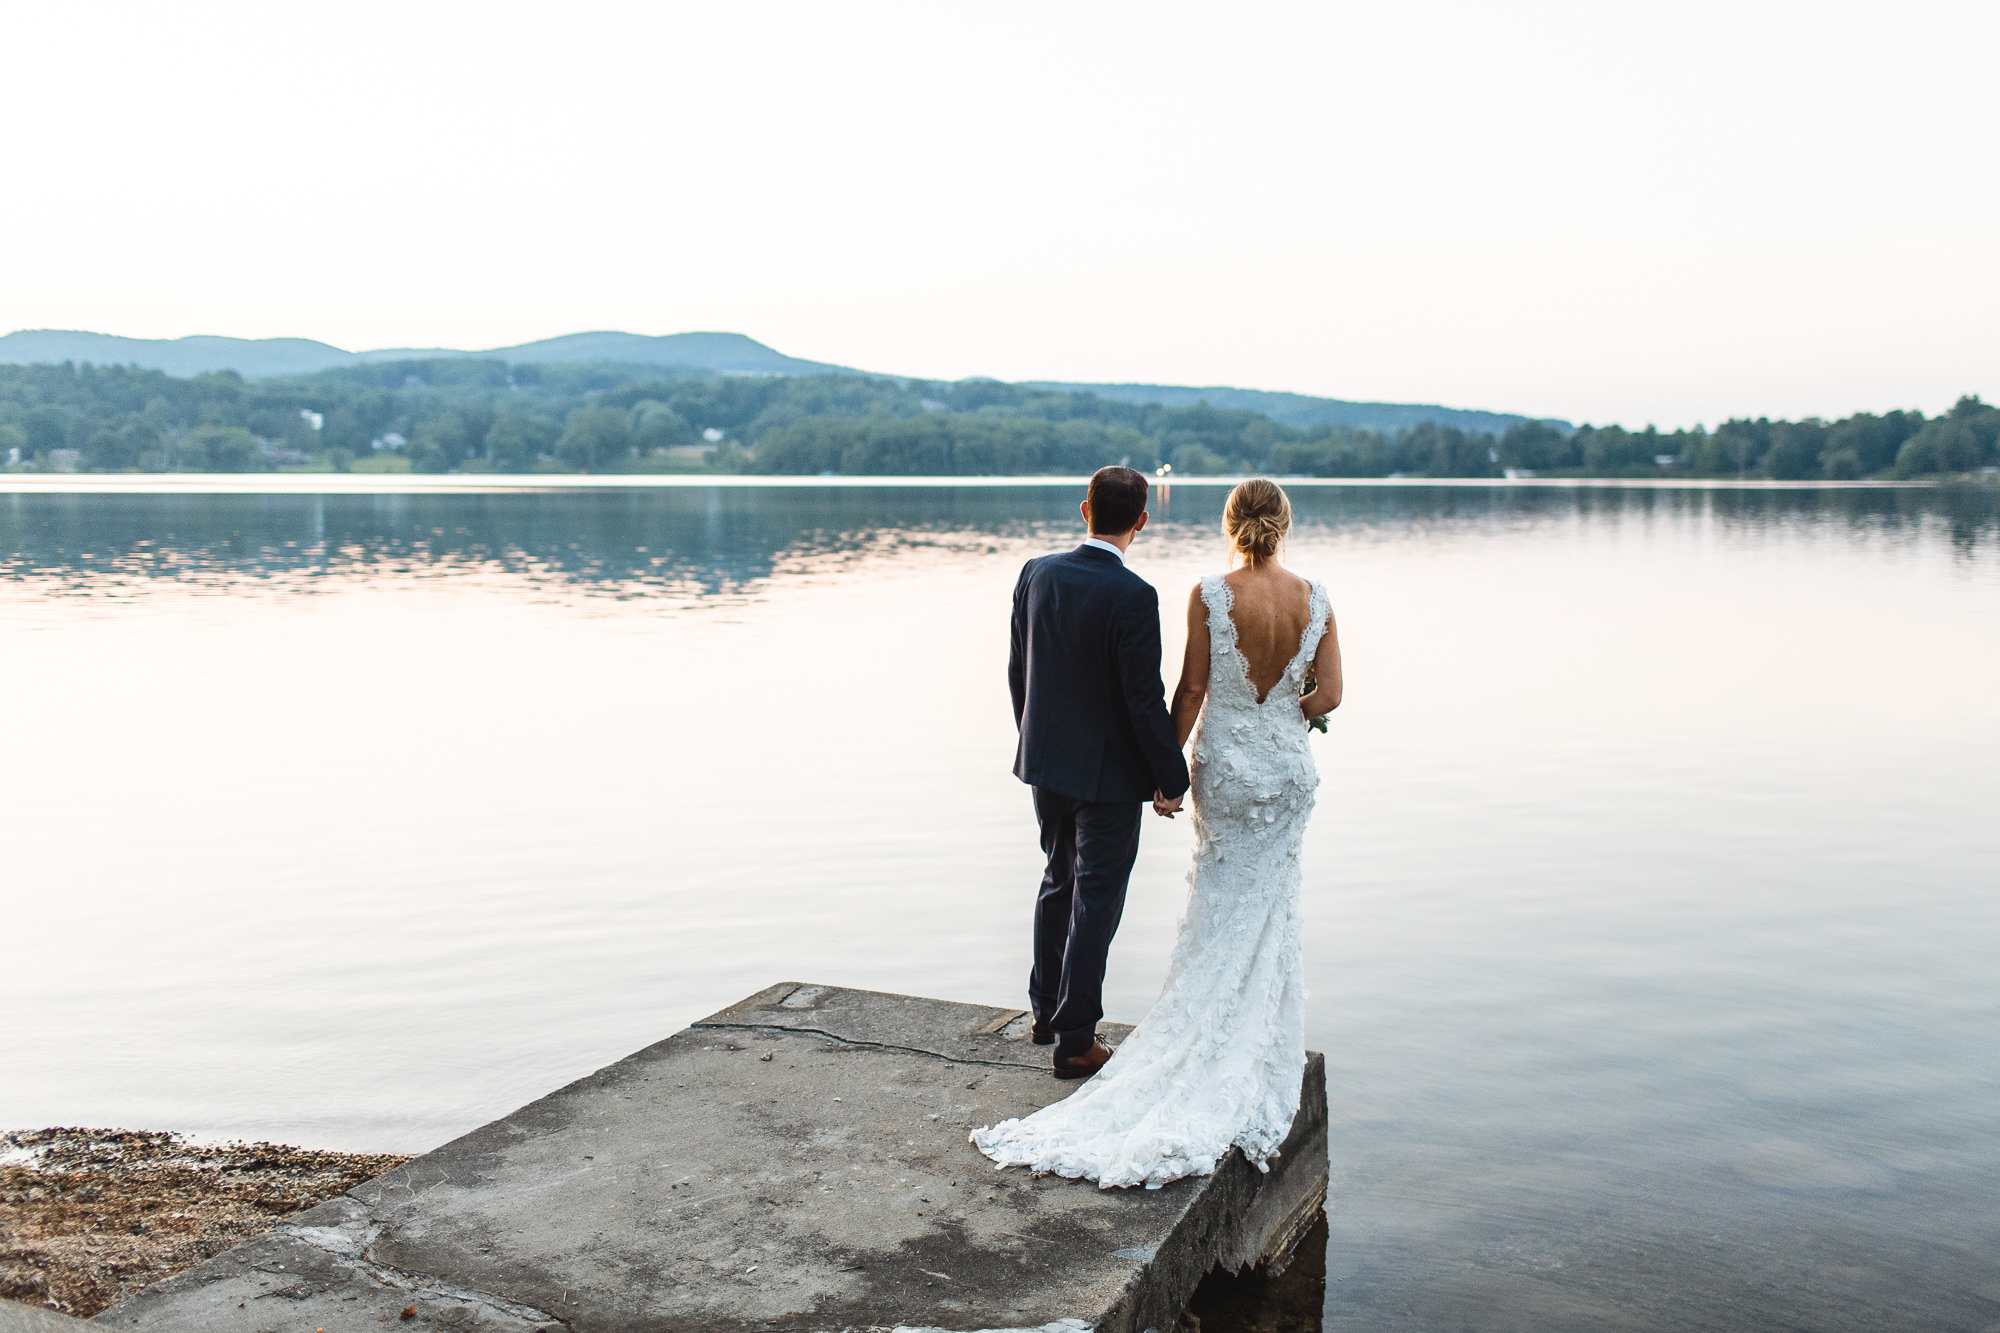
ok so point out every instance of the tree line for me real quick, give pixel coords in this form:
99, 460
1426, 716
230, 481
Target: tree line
471, 415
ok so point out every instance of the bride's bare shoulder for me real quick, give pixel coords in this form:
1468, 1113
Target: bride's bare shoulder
1269, 577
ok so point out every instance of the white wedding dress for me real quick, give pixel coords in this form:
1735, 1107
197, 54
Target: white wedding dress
1218, 1060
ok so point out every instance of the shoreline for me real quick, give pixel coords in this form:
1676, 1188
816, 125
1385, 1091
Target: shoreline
389, 483
89, 1217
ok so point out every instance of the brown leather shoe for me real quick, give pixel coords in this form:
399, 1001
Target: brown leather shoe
1039, 1034
1083, 1066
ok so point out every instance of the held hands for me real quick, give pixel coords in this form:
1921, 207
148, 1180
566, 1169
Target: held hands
1164, 807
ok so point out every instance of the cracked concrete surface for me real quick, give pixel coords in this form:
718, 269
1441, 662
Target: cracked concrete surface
798, 1161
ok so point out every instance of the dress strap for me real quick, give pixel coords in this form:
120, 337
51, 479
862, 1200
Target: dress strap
1215, 594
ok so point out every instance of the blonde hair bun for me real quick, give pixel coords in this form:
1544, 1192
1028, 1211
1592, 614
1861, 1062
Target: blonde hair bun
1257, 517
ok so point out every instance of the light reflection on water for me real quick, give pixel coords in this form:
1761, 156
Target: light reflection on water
1651, 925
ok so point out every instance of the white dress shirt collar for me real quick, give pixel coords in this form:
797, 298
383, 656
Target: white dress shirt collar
1103, 545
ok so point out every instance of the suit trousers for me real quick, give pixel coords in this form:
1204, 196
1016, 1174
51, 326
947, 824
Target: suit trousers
1091, 846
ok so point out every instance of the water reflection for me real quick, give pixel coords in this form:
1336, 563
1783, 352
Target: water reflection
695, 545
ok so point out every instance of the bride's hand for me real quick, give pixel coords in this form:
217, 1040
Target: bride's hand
1163, 806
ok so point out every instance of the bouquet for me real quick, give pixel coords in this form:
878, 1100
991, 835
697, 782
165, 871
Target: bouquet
1310, 684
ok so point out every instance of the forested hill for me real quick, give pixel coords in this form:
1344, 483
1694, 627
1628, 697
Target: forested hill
722, 353
1300, 410
477, 415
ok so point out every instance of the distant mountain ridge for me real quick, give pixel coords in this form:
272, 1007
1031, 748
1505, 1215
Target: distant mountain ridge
723, 353
176, 356
718, 353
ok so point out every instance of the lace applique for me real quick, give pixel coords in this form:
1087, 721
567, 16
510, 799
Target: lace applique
1217, 1062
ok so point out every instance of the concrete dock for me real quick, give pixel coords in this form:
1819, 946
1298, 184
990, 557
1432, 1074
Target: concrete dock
798, 1161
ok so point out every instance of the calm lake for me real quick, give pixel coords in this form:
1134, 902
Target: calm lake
1652, 902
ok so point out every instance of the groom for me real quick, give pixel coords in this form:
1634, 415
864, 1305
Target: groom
1096, 744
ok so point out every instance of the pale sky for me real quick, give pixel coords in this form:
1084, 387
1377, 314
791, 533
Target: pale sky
1668, 213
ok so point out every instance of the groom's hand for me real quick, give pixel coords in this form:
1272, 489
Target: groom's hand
1163, 806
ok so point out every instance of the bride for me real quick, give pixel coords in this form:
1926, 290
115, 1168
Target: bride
1218, 1061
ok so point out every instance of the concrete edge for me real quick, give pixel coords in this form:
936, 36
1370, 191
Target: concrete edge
1261, 1219
1059, 1326
19, 1317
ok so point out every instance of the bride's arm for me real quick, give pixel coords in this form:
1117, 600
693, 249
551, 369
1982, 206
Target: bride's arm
1194, 669
1326, 674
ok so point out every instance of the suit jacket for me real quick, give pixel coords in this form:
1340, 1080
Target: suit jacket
1085, 675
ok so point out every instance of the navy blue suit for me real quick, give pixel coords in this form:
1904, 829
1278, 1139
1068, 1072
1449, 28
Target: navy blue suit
1096, 742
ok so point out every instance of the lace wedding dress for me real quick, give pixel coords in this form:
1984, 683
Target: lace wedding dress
1218, 1061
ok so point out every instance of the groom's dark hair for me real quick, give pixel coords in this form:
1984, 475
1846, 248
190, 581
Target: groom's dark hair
1117, 498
